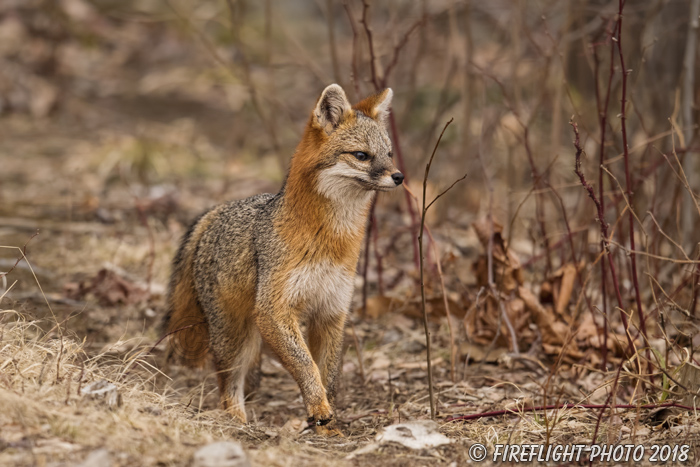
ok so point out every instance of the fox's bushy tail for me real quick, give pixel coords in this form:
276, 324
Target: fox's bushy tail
184, 322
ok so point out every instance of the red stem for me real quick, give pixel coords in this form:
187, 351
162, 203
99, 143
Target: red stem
603, 116
402, 168
498, 413
380, 83
628, 190
365, 265
604, 232
370, 44
628, 179
377, 254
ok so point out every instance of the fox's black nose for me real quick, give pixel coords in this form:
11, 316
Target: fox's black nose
397, 177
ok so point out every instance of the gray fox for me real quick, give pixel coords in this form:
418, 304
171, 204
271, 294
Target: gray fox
251, 271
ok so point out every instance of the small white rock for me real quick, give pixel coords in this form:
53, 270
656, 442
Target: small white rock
105, 391
221, 454
97, 458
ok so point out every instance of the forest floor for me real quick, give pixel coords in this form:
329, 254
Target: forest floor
87, 310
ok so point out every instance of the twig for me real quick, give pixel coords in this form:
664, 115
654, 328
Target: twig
247, 75
365, 265
370, 44
603, 229
628, 179
651, 255
422, 283
402, 167
518, 411
402, 43
453, 347
380, 82
377, 254
676, 244
353, 63
690, 167
20, 258
570, 237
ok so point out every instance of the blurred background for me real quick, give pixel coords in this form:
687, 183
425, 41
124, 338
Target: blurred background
201, 89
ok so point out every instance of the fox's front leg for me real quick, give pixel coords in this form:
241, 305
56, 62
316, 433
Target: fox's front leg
326, 343
280, 330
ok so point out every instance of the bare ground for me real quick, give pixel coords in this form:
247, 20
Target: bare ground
92, 195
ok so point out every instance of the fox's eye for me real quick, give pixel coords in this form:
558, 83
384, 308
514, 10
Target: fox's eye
361, 156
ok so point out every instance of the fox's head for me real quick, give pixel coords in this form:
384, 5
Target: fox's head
351, 148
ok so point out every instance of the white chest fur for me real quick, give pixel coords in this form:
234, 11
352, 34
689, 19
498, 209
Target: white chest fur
320, 287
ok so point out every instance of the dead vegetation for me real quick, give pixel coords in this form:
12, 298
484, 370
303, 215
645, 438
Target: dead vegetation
561, 278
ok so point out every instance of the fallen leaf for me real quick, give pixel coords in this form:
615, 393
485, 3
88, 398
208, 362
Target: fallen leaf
109, 288
417, 434
566, 288
506, 265
477, 353
545, 320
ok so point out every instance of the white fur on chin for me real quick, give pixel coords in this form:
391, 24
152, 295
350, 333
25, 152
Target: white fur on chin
350, 201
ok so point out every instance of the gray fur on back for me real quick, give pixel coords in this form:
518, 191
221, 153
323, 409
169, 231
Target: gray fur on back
227, 248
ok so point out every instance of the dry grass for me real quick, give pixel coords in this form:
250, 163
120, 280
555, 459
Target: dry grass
47, 420
45, 417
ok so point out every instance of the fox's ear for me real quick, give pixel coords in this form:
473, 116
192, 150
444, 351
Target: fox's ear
332, 108
377, 106
383, 105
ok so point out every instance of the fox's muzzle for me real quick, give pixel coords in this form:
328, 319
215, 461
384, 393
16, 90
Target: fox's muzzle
397, 177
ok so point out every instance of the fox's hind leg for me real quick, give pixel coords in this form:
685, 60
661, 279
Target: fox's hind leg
235, 345
252, 379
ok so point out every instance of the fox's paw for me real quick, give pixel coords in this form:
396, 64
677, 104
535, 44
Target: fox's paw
235, 411
325, 426
320, 414
330, 432
320, 422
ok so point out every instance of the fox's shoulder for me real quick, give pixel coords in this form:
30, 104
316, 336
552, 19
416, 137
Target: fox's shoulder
252, 203
233, 216
243, 210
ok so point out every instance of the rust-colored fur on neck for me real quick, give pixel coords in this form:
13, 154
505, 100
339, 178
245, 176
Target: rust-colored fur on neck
306, 211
